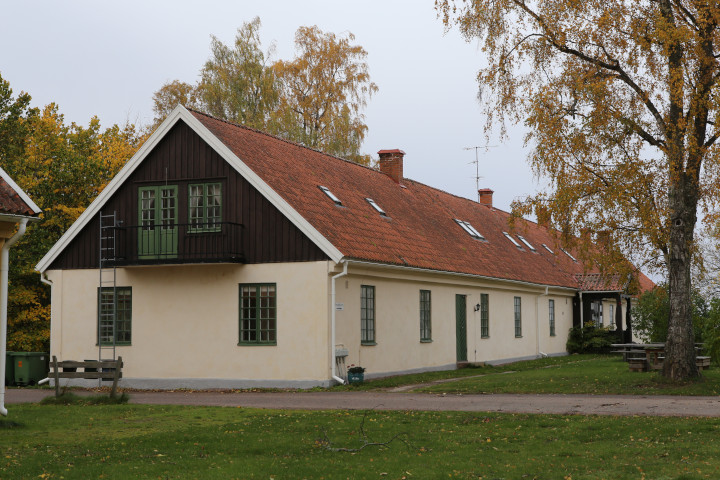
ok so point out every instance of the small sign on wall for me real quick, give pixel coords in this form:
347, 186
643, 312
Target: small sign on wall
339, 306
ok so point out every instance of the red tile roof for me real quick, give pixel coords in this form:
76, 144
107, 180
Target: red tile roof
11, 203
420, 230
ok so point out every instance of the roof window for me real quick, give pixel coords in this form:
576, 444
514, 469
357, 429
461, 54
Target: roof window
509, 237
469, 229
332, 196
568, 254
376, 206
548, 249
522, 239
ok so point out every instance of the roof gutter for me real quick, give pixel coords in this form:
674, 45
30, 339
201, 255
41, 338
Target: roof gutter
332, 323
458, 274
4, 268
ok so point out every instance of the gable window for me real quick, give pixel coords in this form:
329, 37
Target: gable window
115, 312
425, 319
484, 315
330, 195
367, 315
518, 317
509, 237
258, 314
551, 316
205, 207
469, 229
376, 207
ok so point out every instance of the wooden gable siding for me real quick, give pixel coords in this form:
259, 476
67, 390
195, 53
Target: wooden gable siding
182, 158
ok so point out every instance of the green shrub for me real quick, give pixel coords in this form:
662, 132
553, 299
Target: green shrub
590, 339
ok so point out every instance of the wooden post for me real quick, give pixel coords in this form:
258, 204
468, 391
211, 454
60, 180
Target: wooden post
57, 378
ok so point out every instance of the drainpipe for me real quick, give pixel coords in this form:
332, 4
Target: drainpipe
537, 323
5, 261
332, 327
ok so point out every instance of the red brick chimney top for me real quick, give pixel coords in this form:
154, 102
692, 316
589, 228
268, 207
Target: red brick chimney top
485, 196
391, 163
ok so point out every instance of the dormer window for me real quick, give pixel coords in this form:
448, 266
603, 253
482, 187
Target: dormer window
509, 237
568, 254
332, 196
376, 207
469, 229
522, 239
548, 249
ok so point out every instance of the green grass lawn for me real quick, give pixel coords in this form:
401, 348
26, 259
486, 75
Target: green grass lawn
140, 441
581, 374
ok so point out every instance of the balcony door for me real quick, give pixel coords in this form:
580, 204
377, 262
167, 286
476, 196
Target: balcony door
157, 217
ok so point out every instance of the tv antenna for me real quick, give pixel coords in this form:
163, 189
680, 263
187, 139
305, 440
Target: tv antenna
477, 165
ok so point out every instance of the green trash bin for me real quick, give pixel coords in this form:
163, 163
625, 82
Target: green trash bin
30, 367
9, 369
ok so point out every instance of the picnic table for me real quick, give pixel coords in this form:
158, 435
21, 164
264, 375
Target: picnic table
650, 356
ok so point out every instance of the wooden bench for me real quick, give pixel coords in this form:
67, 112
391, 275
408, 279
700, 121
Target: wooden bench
90, 369
637, 364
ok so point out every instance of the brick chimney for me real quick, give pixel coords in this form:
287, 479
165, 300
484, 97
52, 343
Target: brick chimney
391, 163
485, 196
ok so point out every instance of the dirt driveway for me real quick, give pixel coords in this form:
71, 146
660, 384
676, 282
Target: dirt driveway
509, 403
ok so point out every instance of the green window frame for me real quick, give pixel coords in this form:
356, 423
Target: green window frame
205, 207
484, 315
518, 317
425, 316
114, 315
551, 316
258, 314
367, 315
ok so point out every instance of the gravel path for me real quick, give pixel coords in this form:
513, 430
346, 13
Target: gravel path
509, 403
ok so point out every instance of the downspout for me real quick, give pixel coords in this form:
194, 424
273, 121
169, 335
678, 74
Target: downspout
332, 327
537, 322
4, 268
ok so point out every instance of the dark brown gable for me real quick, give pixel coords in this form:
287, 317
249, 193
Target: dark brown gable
253, 228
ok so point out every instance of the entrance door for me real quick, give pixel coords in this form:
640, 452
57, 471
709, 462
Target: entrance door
461, 327
157, 212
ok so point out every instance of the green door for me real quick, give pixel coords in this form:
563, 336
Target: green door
157, 216
461, 328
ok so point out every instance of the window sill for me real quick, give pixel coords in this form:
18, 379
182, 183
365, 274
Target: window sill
367, 344
256, 344
426, 340
518, 336
485, 337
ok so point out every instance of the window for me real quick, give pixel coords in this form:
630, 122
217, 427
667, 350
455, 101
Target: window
115, 310
258, 314
548, 249
367, 315
509, 237
376, 207
484, 315
425, 319
568, 254
611, 316
522, 239
469, 229
551, 316
332, 197
518, 317
597, 313
205, 207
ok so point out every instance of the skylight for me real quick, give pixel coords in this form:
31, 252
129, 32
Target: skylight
376, 206
568, 254
522, 239
469, 229
327, 192
512, 239
548, 249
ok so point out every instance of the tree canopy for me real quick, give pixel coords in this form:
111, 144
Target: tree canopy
621, 101
315, 99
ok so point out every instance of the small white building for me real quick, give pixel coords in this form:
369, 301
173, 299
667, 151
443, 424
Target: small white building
224, 257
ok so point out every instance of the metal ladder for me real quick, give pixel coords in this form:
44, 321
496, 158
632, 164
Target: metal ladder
107, 305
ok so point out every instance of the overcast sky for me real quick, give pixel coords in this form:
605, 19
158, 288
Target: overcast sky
108, 58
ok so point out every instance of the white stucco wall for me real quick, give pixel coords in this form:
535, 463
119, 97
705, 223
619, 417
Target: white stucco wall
185, 324
398, 347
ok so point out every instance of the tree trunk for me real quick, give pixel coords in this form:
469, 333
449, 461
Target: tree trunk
679, 364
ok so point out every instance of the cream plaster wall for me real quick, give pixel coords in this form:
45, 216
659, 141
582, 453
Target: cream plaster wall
185, 321
398, 346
